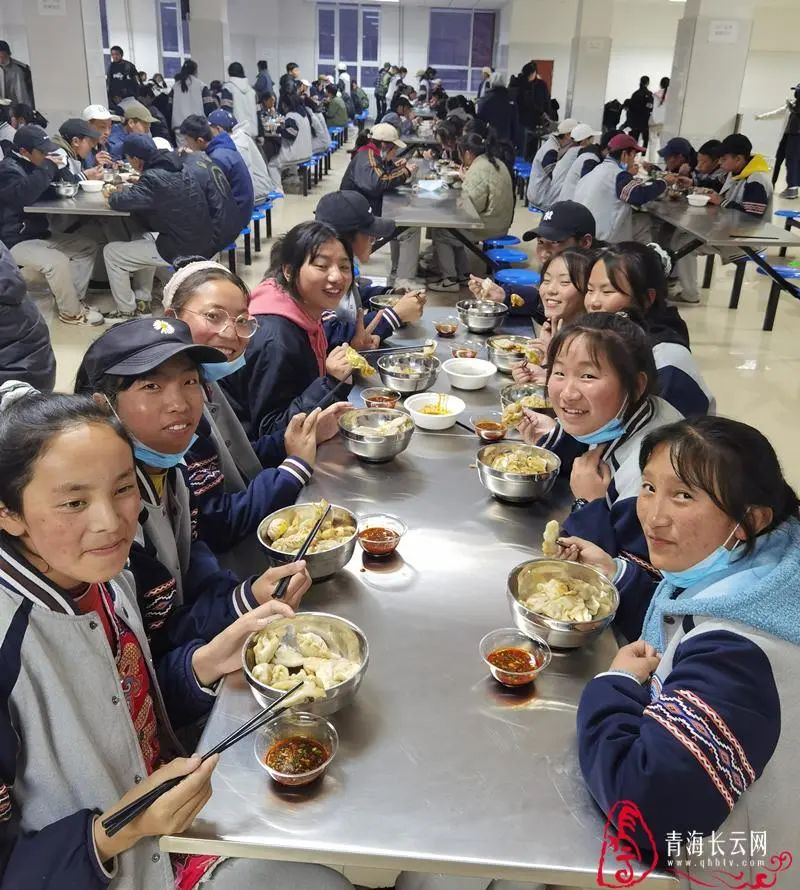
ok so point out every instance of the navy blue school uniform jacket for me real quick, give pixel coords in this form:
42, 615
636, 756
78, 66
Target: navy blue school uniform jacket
709, 742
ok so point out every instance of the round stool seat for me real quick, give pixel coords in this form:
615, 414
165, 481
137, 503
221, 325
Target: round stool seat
273, 196
532, 208
230, 247
518, 277
504, 241
257, 215
784, 271
507, 257
789, 214
245, 231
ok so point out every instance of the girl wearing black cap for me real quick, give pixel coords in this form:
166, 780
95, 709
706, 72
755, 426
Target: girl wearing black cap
150, 373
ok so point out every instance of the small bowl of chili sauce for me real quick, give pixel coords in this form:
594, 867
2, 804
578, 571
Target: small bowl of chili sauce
513, 658
379, 533
379, 397
296, 748
466, 349
448, 327
489, 427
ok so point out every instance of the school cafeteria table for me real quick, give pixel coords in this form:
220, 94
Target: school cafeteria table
730, 232
439, 769
83, 204
444, 209
416, 142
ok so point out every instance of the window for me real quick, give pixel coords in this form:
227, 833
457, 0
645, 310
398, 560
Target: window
461, 42
104, 33
175, 45
349, 33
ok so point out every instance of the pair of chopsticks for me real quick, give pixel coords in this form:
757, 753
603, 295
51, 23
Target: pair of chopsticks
330, 398
283, 584
418, 348
117, 821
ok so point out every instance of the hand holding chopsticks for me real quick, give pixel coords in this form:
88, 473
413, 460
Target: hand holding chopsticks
122, 817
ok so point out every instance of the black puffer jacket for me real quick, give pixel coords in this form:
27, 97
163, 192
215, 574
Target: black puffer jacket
25, 350
496, 108
22, 184
226, 215
169, 200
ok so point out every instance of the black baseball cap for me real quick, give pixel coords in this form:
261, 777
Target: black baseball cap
31, 137
76, 127
677, 146
140, 345
736, 144
564, 219
349, 211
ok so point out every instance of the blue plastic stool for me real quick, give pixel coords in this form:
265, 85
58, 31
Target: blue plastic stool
518, 277
255, 217
304, 170
231, 251
505, 241
790, 216
790, 272
248, 256
532, 208
505, 257
273, 196
738, 276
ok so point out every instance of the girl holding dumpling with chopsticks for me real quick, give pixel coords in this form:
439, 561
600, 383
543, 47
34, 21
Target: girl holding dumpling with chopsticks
602, 385
88, 711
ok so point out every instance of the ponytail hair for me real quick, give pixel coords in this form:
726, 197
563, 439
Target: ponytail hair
733, 463
188, 69
478, 145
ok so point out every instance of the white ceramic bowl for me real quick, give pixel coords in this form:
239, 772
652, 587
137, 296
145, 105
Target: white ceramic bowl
91, 185
697, 200
468, 373
434, 421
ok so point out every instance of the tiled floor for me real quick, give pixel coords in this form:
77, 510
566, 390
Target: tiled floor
754, 375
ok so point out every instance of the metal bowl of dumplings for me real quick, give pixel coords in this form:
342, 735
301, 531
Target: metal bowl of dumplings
517, 488
534, 392
505, 359
409, 372
481, 316
340, 636
559, 634
376, 435
320, 565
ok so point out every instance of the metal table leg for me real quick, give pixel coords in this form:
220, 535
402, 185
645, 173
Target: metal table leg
738, 279
708, 272
779, 284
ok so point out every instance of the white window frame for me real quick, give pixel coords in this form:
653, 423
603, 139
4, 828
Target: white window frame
356, 63
470, 68
181, 53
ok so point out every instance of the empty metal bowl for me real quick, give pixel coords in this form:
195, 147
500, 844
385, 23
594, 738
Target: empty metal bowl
342, 636
515, 392
319, 565
517, 488
559, 634
375, 447
408, 372
66, 189
384, 301
481, 316
506, 359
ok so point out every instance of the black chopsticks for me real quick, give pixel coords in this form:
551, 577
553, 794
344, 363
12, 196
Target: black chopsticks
117, 821
464, 426
327, 400
283, 584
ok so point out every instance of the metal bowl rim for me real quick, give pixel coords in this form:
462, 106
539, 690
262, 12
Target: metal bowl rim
515, 477
280, 553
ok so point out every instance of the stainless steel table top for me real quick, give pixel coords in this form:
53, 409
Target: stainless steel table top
83, 204
438, 768
718, 226
446, 209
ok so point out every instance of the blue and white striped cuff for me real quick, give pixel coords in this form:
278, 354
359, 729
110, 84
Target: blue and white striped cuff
297, 468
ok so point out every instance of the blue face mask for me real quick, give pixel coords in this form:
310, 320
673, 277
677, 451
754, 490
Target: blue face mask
213, 371
716, 561
614, 429
159, 459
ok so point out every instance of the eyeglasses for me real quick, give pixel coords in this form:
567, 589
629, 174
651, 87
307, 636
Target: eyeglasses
218, 321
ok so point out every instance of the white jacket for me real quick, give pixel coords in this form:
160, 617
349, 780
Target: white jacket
540, 184
190, 102
562, 169
320, 136
244, 103
300, 150
598, 192
251, 153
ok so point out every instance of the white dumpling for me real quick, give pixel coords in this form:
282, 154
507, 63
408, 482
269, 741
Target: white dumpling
313, 664
344, 669
309, 691
288, 656
324, 675
263, 673
312, 645
279, 672
265, 647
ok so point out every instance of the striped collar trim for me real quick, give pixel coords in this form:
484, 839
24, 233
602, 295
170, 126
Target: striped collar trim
639, 419
21, 577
